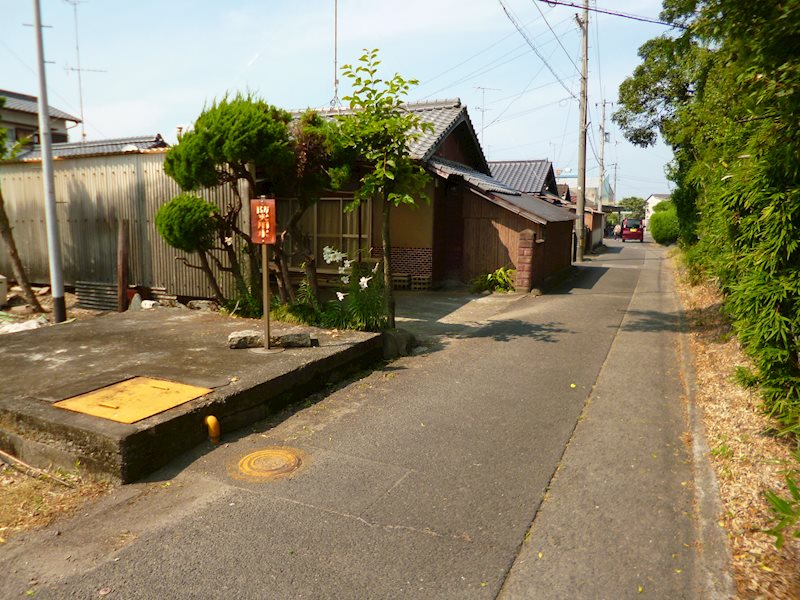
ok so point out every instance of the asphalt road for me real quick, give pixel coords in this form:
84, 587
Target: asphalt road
538, 450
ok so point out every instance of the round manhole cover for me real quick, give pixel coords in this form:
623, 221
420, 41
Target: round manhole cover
270, 462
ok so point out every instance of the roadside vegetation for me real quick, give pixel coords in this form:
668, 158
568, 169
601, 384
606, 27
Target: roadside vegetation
723, 89
745, 455
501, 280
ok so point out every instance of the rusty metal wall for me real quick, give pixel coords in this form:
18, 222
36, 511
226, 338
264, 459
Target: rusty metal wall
92, 195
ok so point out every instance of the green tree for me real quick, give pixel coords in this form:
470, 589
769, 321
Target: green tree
7, 232
635, 206
321, 163
230, 140
380, 130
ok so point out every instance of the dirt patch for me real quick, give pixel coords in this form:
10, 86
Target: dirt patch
28, 502
747, 460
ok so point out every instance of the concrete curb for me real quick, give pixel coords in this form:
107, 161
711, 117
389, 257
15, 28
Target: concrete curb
713, 573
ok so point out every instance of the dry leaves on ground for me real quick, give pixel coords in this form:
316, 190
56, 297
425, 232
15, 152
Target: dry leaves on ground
28, 502
746, 458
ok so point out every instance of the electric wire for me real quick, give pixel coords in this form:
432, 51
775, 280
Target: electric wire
490, 66
524, 34
533, 89
615, 14
466, 60
555, 36
518, 96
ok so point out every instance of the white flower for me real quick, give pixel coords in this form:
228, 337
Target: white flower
229, 241
340, 296
364, 282
330, 255
342, 270
347, 263
376, 267
346, 279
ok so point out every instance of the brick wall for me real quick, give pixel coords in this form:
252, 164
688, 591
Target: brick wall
413, 261
524, 278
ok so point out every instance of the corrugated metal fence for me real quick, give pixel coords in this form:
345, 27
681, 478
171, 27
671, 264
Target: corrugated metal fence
92, 195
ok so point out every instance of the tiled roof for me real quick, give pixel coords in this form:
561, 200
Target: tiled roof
476, 178
98, 147
524, 175
497, 192
443, 115
29, 104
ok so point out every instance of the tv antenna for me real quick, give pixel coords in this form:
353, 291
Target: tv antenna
78, 69
335, 102
482, 107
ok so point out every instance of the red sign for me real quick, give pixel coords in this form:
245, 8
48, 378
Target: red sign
262, 220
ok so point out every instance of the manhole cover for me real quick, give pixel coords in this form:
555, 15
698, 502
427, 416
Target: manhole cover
270, 462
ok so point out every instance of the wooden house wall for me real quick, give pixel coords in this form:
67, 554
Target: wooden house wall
491, 236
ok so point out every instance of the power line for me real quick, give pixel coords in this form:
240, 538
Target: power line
533, 89
490, 66
616, 14
534, 48
517, 97
479, 53
556, 36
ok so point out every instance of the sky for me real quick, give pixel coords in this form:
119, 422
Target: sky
150, 66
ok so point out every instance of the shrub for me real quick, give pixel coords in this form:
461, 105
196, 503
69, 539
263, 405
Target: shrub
187, 223
664, 205
501, 280
664, 226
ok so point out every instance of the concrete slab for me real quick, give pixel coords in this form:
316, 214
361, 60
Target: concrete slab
42, 367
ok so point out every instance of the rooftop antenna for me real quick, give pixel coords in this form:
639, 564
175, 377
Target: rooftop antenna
78, 69
335, 102
483, 108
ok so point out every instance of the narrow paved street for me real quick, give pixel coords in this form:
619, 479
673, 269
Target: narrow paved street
541, 451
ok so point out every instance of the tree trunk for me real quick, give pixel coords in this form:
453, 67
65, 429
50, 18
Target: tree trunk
283, 269
218, 295
16, 264
282, 291
310, 266
387, 264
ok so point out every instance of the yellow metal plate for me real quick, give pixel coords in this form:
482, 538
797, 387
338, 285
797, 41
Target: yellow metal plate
133, 399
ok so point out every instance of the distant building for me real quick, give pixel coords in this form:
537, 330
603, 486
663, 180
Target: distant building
20, 117
652, 200
570, 178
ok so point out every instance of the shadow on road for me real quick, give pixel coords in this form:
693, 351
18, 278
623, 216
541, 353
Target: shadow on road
579, 277
696, 321
499, 331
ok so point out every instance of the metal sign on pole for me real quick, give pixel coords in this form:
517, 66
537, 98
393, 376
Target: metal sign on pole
262, 231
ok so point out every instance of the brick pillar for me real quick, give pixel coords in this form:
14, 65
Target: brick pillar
524, 277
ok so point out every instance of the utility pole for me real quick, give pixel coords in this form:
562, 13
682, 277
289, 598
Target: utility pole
579, 223
603, 135
78, 69
45, 142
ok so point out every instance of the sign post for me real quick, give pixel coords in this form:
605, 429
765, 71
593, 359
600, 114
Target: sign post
262, 231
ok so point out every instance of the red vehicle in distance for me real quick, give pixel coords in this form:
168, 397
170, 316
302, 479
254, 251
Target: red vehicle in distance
632, 229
